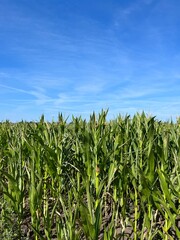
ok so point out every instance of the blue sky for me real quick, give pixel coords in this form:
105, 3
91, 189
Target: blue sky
77, 57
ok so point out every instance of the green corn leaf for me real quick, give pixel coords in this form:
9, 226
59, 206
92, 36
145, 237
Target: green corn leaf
165, 189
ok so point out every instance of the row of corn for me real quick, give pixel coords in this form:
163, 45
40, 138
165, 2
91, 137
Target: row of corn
93, 180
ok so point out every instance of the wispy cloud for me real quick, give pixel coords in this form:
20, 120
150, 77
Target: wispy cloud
13, 89
120, 56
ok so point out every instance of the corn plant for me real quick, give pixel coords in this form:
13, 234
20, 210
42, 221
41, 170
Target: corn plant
94, 180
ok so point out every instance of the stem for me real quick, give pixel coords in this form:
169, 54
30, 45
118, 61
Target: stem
135, 214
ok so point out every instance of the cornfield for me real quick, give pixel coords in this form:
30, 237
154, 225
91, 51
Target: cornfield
90, 180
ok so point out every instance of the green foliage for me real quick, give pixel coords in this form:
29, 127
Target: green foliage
90, 180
